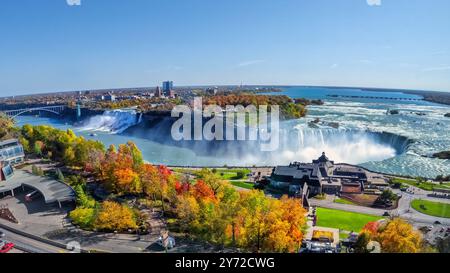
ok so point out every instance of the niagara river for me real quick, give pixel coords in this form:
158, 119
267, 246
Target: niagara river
383, 135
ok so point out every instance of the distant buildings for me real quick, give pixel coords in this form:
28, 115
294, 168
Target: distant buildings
158, 92
167, 86
110, 97
168, 89
212, 91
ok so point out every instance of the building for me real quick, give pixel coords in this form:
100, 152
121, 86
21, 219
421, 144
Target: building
324, 176
212, 91
167, 86
158, 92
110, 97
11, 151
168, 89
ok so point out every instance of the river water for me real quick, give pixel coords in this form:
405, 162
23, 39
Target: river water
351, 130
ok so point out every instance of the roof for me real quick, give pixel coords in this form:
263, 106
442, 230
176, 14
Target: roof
9, 141
52, 190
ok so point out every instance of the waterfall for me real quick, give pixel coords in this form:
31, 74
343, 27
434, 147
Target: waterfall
114, 121
342, 145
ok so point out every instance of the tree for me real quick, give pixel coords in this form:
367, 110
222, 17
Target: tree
211, 179
60, 175
115, 217
187, 210
84, 217
399, 236
362, 241
38, 148
293, 214
26, 144
127, 181
83, 200
203, 192
75, 180
34, 170
6, 126
230, 207
388, 195
372, 228
254, 220
240, 174
136, 155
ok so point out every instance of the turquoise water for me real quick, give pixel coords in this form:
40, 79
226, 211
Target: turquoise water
358, 140
323, 92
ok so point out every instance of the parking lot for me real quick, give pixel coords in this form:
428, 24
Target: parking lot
35, 217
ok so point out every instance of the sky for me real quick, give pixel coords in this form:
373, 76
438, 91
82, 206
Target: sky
50, 46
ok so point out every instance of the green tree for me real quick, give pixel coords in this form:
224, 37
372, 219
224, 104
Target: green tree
84, 217
83, 200
60, 175
38, 147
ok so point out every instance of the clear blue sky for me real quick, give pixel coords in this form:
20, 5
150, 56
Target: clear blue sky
47, 45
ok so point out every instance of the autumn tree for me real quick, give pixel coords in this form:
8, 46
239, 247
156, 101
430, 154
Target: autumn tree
113, 216
398, 236
254, 220
210, 178
187, 210
127, 181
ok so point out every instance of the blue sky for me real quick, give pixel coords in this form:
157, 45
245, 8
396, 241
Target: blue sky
47, 45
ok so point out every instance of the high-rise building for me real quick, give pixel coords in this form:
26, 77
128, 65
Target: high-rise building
167, 87
158, 92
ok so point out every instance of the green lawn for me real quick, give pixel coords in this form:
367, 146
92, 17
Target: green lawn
244, 185
422, 185
431, 208
232, 174
343, 201
343, 220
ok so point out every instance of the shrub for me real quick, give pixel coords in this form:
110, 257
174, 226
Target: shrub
84, 217
240, 174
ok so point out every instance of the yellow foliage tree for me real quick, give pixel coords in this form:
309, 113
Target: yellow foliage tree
115, 217
398, 236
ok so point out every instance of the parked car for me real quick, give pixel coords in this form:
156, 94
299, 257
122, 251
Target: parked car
32, 196
5, 247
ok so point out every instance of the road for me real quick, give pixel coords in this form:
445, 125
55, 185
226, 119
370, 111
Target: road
28, 245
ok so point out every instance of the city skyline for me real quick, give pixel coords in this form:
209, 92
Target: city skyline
50, 46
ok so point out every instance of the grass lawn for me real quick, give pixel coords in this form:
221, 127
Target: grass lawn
422, 185
431, 208
344, 220
343, 201
244, 185
232, 174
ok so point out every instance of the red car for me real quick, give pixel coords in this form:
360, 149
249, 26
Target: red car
5, 247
